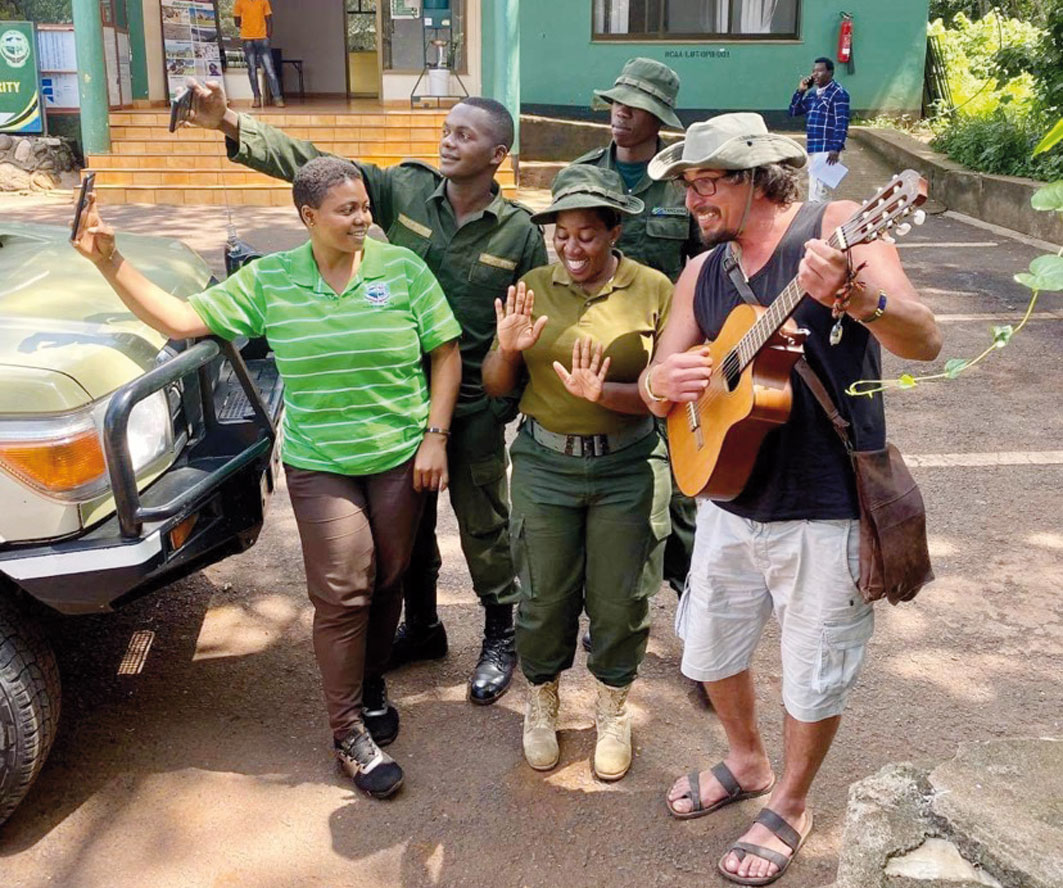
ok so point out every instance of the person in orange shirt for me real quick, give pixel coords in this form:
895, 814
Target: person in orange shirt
254, 18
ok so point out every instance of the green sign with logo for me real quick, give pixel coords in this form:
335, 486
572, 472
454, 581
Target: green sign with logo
20, 100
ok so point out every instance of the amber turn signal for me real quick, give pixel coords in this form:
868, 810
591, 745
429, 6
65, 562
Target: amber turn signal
57, 465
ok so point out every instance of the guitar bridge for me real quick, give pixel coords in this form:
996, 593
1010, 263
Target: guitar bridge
694, 421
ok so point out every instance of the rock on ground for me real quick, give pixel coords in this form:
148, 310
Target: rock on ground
991, 816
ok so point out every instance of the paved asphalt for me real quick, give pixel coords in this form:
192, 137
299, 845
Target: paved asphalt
211, 766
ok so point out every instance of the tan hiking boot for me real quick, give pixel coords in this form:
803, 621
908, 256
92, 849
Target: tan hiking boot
612, 753
540, 726
279, 102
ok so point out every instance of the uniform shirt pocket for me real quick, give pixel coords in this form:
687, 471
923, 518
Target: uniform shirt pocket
492, 272
410, 233
668, 227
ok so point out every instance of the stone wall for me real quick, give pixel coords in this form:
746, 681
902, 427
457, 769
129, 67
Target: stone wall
34, 163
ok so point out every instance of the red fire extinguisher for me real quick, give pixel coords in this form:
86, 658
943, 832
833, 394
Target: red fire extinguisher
845, 41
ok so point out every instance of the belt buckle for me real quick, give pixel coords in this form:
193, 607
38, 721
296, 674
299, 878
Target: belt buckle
597, 445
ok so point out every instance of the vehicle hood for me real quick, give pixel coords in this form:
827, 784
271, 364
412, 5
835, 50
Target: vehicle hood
58, 316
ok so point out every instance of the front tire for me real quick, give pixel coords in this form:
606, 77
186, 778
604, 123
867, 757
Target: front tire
29, 704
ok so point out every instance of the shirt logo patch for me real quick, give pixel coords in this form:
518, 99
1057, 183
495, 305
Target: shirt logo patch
377, 294
498, 262
668, 211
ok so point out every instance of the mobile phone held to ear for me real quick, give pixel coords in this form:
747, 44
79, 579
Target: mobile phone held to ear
180, 109
808, 82
87, 185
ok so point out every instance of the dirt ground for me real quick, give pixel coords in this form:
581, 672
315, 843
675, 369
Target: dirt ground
211, 768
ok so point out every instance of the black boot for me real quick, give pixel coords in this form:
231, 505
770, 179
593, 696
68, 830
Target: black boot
493, 673
418, 642
380, 717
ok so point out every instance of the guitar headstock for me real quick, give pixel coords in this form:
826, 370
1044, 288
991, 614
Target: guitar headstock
883, 215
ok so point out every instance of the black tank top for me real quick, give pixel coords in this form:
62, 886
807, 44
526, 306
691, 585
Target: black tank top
802, 470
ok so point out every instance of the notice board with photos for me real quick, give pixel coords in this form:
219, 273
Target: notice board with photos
20, 100
191, 41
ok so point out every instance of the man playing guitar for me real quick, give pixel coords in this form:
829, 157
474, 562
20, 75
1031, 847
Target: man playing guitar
788, 542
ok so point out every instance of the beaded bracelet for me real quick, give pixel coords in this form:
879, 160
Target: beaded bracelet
878, 312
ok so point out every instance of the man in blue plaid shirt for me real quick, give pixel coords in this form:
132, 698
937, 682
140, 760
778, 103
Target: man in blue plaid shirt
827, 124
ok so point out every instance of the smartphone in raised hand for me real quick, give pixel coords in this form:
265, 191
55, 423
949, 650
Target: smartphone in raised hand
87, 184
180, 108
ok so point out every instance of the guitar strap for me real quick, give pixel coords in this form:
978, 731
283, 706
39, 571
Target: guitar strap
819, 391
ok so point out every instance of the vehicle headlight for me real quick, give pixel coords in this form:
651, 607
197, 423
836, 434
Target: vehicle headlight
61, 455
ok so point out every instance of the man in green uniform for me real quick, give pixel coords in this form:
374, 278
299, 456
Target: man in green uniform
663, 235
477, 243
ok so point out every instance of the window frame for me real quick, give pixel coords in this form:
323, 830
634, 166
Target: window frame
662, 37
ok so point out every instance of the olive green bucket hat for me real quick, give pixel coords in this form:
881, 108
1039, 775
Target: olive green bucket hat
739, 141
645, 84
583, 187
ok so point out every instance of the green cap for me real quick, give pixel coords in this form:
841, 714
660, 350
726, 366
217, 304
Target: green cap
581, 186
645, 84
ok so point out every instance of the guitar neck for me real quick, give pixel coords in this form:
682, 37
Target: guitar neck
769, 323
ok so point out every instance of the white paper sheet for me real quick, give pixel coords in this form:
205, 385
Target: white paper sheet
830, 175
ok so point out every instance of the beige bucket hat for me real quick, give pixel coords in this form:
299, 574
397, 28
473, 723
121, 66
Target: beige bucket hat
739, 141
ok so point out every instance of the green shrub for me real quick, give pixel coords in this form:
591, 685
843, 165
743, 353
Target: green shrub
1000, 141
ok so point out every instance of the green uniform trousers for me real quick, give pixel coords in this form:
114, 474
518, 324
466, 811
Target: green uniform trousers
680, 547
588, 532
476, 463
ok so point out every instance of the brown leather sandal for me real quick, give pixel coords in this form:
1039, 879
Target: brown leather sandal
783, 832
730, 784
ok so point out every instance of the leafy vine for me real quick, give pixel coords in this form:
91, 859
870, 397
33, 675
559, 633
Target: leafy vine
1045, 276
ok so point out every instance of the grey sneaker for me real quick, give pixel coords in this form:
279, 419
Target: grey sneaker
374, 772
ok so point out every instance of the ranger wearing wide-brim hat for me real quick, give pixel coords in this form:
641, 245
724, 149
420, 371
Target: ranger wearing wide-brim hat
590, 476
663, 235
640, 102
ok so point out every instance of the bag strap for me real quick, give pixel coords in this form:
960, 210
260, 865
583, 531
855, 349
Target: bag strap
819, 391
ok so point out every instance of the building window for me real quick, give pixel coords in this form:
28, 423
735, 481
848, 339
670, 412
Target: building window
695, 19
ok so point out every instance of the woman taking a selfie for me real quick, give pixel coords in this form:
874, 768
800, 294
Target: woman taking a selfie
590, 474
349, 320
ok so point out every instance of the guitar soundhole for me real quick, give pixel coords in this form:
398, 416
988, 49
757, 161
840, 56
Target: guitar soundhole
732, 371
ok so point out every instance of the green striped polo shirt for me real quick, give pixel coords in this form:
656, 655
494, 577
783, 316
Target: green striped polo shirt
355, 396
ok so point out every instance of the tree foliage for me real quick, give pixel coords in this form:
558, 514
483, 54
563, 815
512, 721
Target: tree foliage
44, 11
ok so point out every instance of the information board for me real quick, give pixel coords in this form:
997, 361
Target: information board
20, 102
191, 42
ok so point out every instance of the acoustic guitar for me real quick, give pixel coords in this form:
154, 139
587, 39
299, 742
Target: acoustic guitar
714, 440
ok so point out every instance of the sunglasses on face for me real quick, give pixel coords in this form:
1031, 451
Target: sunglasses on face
705, 185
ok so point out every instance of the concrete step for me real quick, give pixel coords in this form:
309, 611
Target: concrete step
343, 133
274, 195
432, 119
120, 174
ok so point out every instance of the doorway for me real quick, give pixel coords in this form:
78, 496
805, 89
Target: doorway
363, 61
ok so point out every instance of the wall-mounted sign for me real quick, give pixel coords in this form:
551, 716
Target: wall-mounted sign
405, 9
191, 41
20, 102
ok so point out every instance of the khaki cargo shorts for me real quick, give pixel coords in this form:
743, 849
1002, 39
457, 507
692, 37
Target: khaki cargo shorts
803, 571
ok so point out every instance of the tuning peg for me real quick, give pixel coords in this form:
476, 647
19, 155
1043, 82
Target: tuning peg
888, 239
903, 229
920, 217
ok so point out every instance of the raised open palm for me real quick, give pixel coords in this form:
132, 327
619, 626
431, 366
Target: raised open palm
587, 378
516, 329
